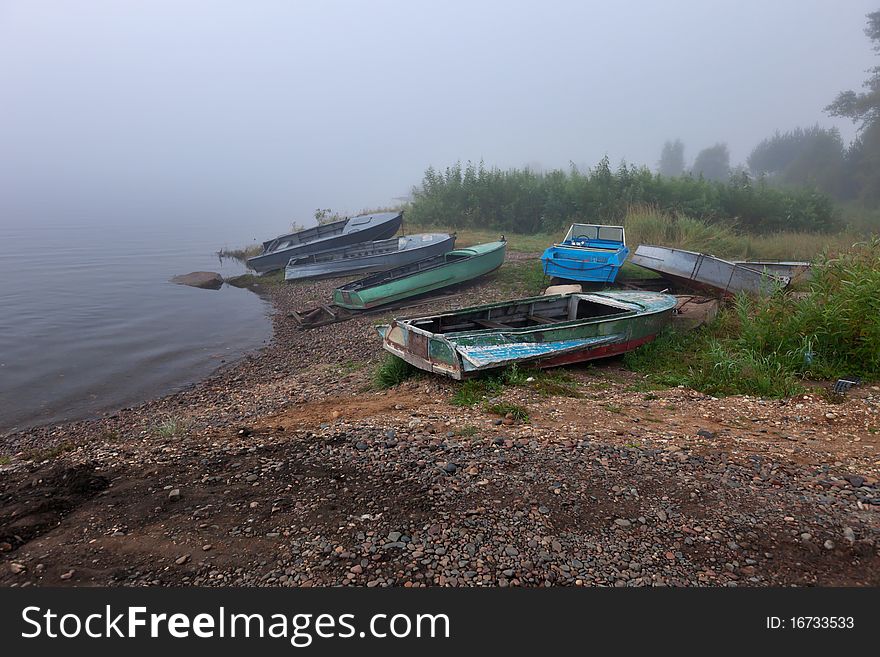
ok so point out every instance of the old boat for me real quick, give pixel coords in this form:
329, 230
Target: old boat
706, 272
541, 331
589, 253
369, 256
422, 276
277, 253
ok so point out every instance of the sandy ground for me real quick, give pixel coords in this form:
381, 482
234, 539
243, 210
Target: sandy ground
289, 469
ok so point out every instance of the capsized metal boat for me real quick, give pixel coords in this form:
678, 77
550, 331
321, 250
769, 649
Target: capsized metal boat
702, 271
422, 276
541, 331
369, 256
589, 253
364, 228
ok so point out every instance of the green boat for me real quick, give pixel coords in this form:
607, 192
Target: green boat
541, 331
416, 278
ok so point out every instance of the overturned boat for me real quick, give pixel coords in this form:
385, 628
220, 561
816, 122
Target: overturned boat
706, 272
541, 331
589, 253
420, 277
364, 228
368, 256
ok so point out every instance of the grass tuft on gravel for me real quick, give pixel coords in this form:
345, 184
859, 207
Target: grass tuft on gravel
512, 411
172, 427
392, 371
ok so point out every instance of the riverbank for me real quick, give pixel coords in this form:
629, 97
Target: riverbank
291, 468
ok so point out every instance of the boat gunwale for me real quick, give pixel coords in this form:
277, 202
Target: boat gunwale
525, 330
341, 223
449, 236
348, 287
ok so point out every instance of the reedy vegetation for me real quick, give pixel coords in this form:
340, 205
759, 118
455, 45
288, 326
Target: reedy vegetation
526, 201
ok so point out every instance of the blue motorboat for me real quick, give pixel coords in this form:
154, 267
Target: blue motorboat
589, 253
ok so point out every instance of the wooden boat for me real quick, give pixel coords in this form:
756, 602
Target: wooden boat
796, 271
589, 253
369, 256
421, 276
702, 271
364, 228
541, 331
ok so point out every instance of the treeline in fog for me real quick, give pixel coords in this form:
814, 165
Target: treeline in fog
789, 182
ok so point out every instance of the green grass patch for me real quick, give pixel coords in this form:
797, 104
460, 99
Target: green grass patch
468, 431
549, 383
5, 460
512, 411
472, 391
523, 278
393, 371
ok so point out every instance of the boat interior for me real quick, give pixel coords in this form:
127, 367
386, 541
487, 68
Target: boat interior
531, 313
407, 270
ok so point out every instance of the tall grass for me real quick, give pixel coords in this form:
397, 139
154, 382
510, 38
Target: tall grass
648, 224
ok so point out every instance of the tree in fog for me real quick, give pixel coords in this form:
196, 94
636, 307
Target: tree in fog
671, 162
713, 163
862, 166
863, 107
803, 156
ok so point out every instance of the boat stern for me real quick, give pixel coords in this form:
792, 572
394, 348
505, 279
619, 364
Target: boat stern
421, 349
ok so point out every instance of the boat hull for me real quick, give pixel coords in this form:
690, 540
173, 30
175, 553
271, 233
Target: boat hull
705, 272
323, 238
797, 272
427, 275
367, 257
590, 253
583, 264
519, 332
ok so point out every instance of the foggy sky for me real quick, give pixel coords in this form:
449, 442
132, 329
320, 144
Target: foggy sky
267, 110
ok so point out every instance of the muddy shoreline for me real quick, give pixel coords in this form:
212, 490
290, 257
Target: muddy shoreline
287, 468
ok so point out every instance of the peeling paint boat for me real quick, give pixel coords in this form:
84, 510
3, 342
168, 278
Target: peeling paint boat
541, 331
706, 272
364, 228
589, 253
422, 276
369, 256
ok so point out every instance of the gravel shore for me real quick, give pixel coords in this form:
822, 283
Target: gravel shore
289, 469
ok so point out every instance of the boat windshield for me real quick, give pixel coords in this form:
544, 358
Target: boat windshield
587, 232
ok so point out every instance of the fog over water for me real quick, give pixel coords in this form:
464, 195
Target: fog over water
263, 111
136, 138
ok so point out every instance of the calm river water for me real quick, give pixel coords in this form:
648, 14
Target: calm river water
89, 321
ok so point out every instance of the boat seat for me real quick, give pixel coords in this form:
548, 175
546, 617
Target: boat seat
488, 323
540, 319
